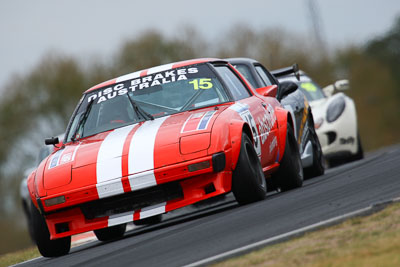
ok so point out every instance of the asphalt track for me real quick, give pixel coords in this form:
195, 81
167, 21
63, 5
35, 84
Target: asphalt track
197, 233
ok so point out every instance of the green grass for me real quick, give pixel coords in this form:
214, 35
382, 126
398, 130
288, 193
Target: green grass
362, 241
19, 256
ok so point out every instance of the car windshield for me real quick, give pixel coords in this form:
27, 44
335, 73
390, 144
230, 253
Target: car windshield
310, 89
144, 98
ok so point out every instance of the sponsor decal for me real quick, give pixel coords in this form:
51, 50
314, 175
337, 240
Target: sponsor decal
143, 83
66, 158
245, 114
273, 144
63, 156
197, 121
348, 140
267, 122
54, 162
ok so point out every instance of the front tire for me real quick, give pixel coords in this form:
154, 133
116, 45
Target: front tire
41, 234
110, 233
290, 174
248, 180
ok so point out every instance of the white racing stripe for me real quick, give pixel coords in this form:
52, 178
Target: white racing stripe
144, 213
152, 210
109, 162
120, 218
141, 155
129, 76
159, 68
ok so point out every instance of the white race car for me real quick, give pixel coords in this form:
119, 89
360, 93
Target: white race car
335, 119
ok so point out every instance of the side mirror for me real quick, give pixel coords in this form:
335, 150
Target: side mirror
52, 141
340, 85
296, 71
329, 90
268, 90
287, 88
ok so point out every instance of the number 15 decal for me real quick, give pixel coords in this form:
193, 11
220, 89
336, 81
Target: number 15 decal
204, 83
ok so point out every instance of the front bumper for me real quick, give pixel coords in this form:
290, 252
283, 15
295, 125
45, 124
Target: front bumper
176, 187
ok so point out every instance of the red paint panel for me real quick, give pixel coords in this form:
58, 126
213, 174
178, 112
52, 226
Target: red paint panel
136, 215
191, 62
144, 73
194, 143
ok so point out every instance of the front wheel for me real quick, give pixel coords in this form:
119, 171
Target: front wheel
41, 234
110, 233
290, 173
248, 180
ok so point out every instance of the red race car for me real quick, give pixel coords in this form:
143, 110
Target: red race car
157, 140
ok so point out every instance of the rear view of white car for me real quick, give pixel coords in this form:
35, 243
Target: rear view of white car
335, 119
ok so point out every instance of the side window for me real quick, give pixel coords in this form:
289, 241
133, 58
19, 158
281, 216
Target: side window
235, 86
263, 75
245, 71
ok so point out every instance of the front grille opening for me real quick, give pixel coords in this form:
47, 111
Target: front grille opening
62, 227
132, 201
210, 188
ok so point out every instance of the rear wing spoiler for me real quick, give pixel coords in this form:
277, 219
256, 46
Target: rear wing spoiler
286, 71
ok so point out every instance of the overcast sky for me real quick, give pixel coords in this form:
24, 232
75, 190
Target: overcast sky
87, 28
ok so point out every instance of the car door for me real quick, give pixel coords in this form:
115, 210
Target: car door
294, 102
257, 112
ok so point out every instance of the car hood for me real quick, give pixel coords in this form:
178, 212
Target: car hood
127, 150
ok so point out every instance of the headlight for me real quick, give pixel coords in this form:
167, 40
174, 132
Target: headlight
318, 122
335, 109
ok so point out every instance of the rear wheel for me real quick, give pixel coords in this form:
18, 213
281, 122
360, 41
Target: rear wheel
290, 173
41, 234
317, 168
110, 233
248, 180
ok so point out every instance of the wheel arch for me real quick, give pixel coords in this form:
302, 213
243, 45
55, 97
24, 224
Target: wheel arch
283, 118
236, 128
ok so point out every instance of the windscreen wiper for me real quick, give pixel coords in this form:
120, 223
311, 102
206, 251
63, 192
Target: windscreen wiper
82, 120
139, 110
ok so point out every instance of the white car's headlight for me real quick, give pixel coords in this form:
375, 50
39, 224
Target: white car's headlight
318, 122
335, 109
